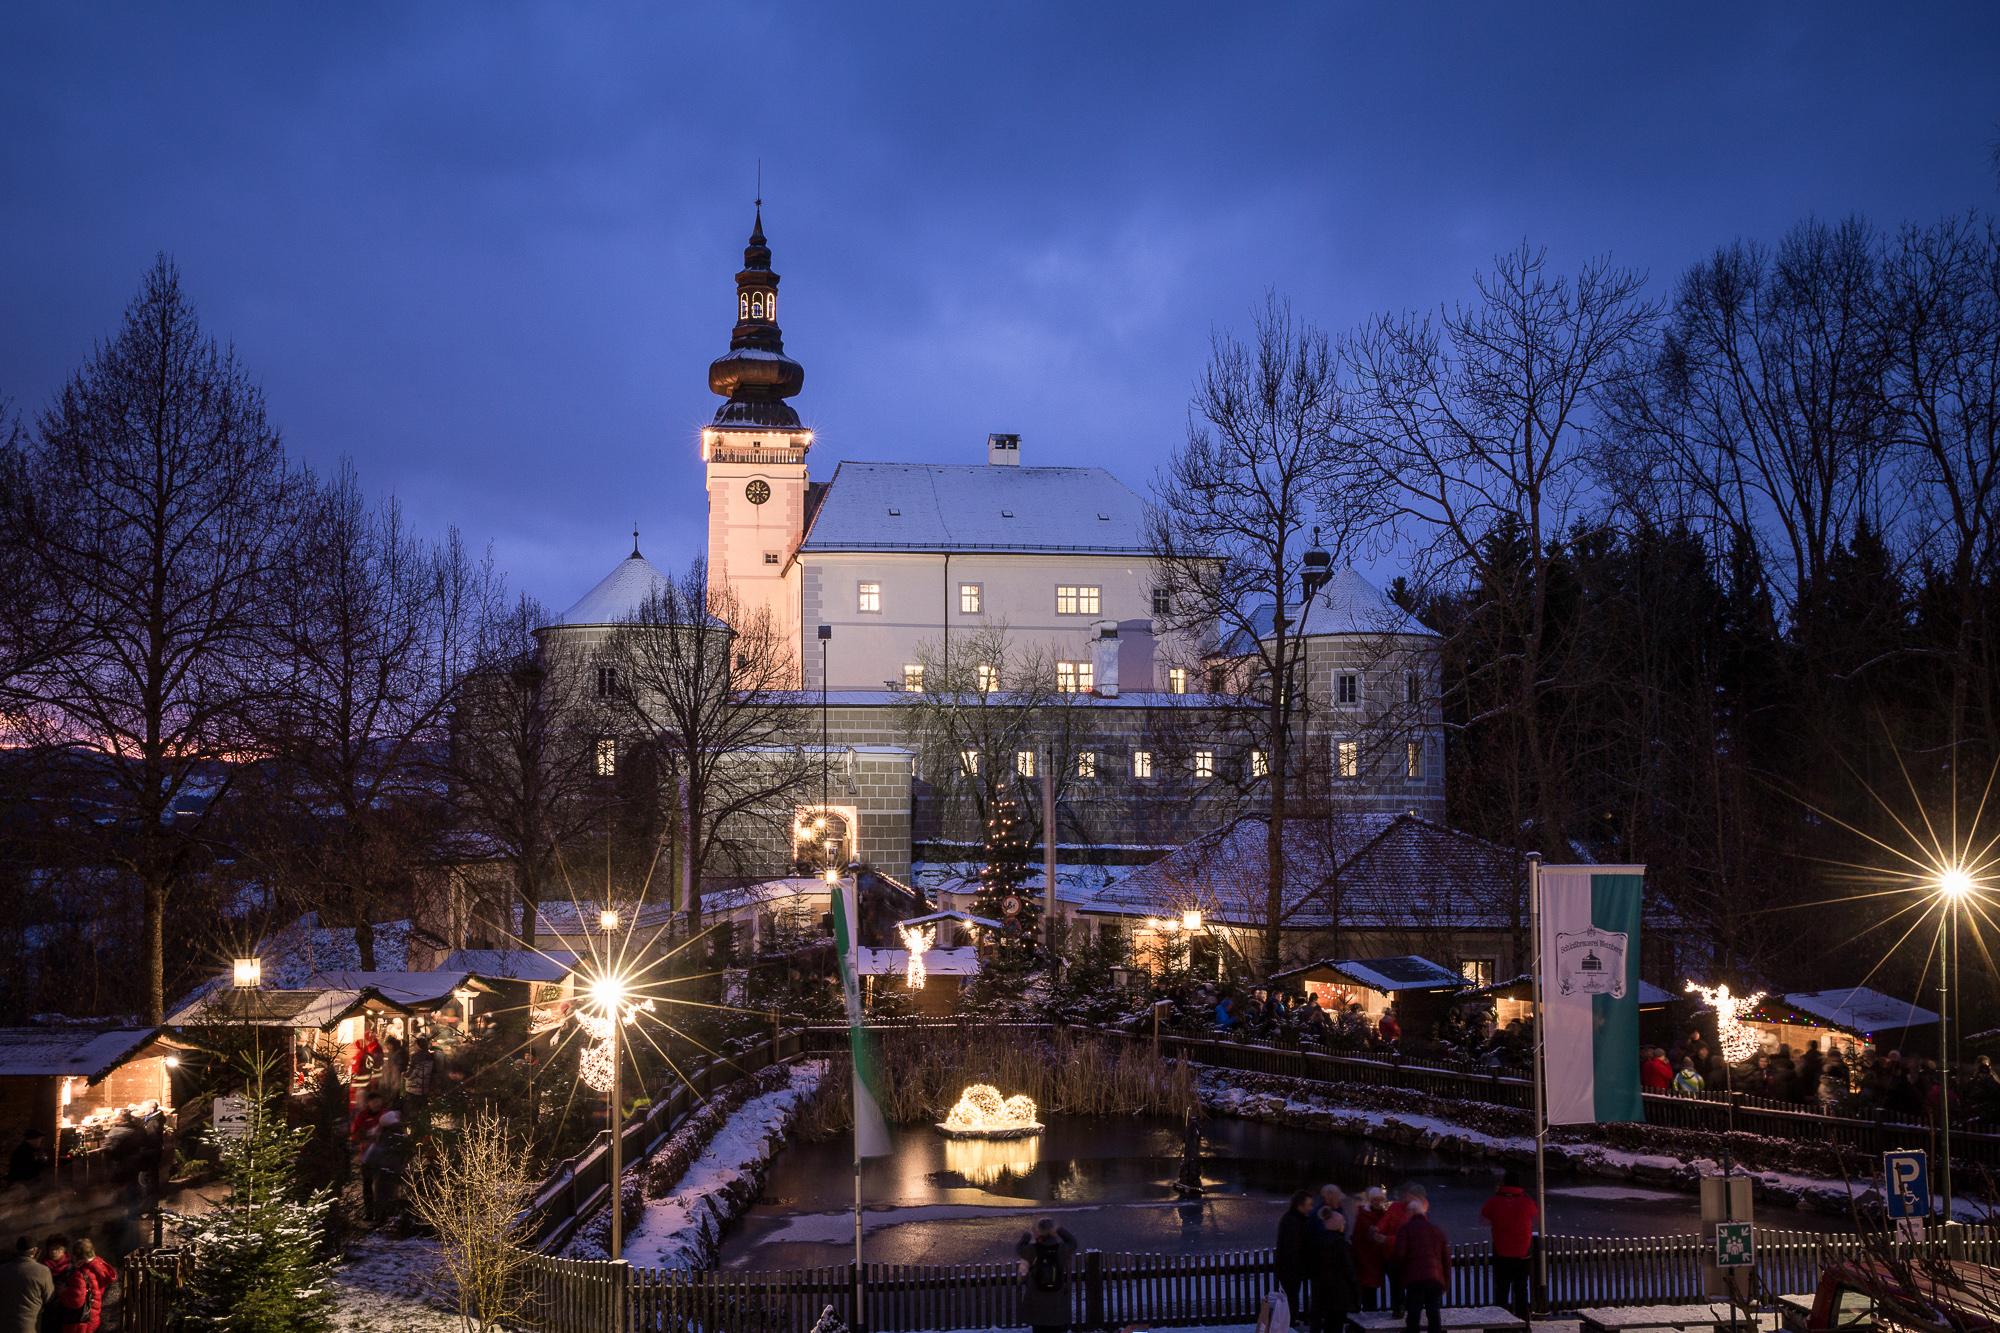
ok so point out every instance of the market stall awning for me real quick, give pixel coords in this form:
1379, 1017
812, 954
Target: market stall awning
426, 989
1389, 975
1860, 1010
315, 1008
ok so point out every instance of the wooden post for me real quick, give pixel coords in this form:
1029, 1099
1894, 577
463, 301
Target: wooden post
1093, 1289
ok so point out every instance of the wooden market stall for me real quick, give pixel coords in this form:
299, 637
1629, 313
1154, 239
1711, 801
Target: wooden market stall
1848, 1018
71, 1080
1514, 1000
321, 1024
1417, 987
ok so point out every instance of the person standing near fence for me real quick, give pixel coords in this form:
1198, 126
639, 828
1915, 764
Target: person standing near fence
1366, 1242
1511, 1214
1391, 1223
26, 1290
1298, 1250
1423, 1254
1046, 1253
1335, 1294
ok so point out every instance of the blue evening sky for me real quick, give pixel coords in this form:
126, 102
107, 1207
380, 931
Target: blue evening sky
486, 249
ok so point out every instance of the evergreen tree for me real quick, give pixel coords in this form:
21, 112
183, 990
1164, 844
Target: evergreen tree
1006, 962
255, 1265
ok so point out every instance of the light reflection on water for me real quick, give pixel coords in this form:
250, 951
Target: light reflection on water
989, 1161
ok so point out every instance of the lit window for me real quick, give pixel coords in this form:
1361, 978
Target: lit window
913, 676
1347, 689
1347, 758
770, 557
770, 305
1024, 763
756, 305
607, 758
970, 760
1413, 684
1260, 764
1086, 764
1177, 680
1204, 763
1077, 600
1413, 759
989, 677
1076, 677
870, 597
1163, 602
742, 305
1477, 971
1142, 763
607, 682
970, 598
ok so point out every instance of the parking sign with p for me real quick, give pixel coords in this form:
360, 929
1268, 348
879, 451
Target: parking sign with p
1906, 1184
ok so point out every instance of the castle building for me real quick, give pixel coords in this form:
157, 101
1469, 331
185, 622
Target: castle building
892, 584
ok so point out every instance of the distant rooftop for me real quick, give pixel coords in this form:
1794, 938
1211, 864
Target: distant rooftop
976, 507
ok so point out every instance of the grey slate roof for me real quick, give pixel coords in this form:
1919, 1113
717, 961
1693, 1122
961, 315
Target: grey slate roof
953, 507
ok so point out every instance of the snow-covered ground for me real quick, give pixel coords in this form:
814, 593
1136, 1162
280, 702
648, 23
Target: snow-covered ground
682, 1230
381, 1289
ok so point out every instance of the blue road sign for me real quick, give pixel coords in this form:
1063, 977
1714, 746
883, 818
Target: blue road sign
1906, 1184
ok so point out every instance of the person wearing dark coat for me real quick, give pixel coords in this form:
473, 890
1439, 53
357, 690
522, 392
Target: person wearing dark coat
1336, 1290
1298, 1249
1424, 1254
1045, 1299
26, 1290
30, 1160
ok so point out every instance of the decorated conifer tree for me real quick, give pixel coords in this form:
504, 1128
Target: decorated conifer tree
255, 1262
1008, 958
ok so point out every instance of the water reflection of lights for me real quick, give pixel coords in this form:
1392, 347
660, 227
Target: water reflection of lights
988, 1161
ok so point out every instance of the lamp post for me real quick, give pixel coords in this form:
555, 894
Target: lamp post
1954, 884
610, 996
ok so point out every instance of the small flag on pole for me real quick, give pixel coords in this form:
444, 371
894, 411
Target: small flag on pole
871, 1131
1590, 992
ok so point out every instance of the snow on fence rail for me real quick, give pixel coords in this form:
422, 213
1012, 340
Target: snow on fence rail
1109, 1290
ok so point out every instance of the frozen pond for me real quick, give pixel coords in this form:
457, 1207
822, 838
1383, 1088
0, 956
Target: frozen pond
1110, 1182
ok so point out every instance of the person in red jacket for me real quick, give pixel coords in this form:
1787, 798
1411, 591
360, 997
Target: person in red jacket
1424, 1254
88, 1266
1367, 1243
1388, 1029
1655, 1074
1512, 1216
78, 1304
1392, 1222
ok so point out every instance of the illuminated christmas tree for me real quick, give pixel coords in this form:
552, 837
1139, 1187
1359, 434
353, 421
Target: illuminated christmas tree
1007, 957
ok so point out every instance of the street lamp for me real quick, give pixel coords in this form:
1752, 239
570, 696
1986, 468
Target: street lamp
248, 973
1954, 885
1191, 919
609, 993
607, 921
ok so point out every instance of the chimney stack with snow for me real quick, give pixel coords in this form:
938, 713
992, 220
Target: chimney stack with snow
1003, 450
1106, 646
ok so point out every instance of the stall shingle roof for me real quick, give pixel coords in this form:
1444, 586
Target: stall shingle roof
1860, 1009
404, 988
1389, 975
69, 1051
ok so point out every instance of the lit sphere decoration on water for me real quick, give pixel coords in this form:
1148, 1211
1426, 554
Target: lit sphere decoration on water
982, 1114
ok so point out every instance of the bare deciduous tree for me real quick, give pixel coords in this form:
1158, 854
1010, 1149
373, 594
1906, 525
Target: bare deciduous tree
169, 502
475, 1196
1267, 455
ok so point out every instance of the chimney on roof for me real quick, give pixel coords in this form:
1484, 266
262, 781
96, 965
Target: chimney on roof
1003, 450
1105, 647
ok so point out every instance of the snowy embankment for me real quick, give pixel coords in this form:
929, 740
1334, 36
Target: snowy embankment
687, 1209
1678, 1160
381, 1288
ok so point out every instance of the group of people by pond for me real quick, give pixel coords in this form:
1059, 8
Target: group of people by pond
1338, 1253
65, 1279
1281, 1014
1861, 1081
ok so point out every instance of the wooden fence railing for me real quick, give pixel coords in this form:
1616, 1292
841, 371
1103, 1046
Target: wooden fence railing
580, 1185
1110, 1290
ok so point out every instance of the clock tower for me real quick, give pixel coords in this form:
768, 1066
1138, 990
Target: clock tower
755, 450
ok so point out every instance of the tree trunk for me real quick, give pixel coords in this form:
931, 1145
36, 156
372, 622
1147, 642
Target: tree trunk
531, 907
1274, 841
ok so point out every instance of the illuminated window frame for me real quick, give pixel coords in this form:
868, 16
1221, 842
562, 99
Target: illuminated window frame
868, 598
1078, 599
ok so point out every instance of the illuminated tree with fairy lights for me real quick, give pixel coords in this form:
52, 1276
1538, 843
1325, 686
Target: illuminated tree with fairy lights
1008, 956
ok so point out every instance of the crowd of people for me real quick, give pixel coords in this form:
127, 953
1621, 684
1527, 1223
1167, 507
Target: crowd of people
1904, 1086
1338, 1253
64, 1281
57, 1286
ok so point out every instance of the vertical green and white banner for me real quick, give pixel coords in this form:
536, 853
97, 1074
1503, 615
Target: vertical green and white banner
871, 1131
1590, 992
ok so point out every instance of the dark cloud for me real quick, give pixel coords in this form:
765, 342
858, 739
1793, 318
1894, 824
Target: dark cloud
486, 248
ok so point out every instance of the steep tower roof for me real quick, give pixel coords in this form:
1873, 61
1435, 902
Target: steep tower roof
756, 377
618, 594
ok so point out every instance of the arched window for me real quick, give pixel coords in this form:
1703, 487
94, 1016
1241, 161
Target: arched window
771, 306
757, 305
742, 305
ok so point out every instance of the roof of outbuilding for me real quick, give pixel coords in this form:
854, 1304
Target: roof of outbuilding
1348, 604
1378, 871
618, 594
953, 507
403, 988
1860, 1009
69, 1051
310, 1009
548, 965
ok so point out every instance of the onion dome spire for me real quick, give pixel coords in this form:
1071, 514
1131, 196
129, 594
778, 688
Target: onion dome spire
756, 377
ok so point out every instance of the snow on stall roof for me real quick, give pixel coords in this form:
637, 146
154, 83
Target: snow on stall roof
1389, 975
764, 891
68, 1051
580, 918
314, 1008
549, 965
944, 506
293, 954
403, 987
1860, 1009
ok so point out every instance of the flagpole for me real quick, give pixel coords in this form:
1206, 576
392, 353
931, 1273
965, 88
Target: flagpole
1541, 1110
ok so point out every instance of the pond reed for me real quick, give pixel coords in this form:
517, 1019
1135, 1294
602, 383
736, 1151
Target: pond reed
923, 1073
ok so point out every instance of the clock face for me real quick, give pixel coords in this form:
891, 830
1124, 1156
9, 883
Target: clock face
757, 492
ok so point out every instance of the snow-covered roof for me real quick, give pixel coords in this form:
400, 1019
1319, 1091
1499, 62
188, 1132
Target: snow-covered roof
618, 594
404, 987
1388, 975
568, 919
512, 964
1861, 1010
313, 1009
1522, 987
68, 1051
960, 962
294, 953
978, 507
763, 891
1348, 604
